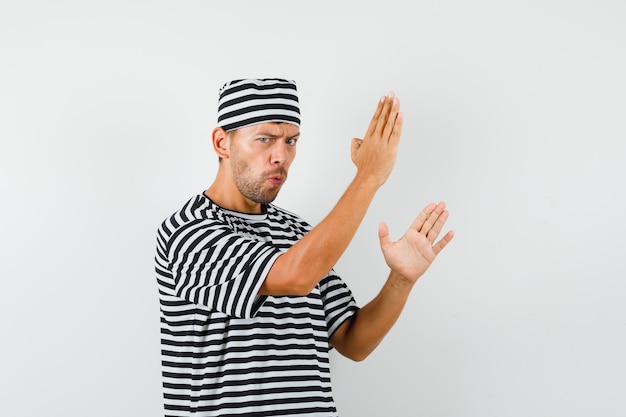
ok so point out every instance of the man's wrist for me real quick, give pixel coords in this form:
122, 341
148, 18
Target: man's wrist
368, 182
400, 282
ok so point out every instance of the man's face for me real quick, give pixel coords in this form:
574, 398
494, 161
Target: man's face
260, 157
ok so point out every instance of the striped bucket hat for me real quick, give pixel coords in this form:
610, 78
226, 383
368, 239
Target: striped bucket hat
257, 100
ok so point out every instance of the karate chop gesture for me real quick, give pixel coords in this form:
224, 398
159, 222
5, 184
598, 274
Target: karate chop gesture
375, 154
414, 252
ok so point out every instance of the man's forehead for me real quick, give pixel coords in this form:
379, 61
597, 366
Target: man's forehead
273, 129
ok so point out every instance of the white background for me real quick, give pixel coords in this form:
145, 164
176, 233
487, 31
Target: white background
514, 115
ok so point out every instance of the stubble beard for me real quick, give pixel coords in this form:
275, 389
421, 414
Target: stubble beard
252, 188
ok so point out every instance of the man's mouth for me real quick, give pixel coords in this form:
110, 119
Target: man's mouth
277, 180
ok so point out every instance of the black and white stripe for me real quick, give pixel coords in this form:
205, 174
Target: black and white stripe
226, 350
257, 100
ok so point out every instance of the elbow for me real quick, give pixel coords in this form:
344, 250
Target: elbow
287, 277
355, 355
358, 356
279, 288
304, 290
297, 289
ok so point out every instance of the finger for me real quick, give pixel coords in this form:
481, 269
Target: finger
383, 235
385, 115
438, 226
394, 138
391, 119
432, 218
423, 216
438, 247
374, 121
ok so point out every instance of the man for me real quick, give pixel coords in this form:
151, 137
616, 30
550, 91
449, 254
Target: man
250, 303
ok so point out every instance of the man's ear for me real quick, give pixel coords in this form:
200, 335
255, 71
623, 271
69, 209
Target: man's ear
221, 142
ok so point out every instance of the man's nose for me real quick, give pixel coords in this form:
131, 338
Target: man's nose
279, 152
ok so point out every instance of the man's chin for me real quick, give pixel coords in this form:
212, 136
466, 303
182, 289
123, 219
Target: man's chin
265, 198
271, 199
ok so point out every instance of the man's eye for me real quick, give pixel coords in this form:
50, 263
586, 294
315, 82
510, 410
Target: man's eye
291, 141
264, 140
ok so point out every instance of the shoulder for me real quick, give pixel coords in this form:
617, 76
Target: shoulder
198, 209
280, 214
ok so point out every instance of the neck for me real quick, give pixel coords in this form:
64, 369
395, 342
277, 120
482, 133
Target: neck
232, 199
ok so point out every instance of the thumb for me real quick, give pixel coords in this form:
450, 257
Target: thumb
355, 145
383, 234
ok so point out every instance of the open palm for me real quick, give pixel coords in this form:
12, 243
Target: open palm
414, 252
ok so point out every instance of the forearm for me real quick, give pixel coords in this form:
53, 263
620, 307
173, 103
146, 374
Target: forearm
299, 269
306, 262
408, 258
364, 332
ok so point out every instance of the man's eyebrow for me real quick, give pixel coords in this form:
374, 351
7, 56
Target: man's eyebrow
267, 134
274, 135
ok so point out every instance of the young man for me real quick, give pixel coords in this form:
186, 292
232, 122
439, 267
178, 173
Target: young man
250, 303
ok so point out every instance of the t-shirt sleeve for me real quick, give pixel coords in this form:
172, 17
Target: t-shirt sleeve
214, 267
339, 303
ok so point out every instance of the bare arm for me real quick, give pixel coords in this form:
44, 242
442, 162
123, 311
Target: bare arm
298, 270
408, 259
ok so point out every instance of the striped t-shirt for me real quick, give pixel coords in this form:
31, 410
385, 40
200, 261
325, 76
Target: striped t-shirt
227, 351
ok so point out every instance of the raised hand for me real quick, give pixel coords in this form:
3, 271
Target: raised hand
415, 251
375, 154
